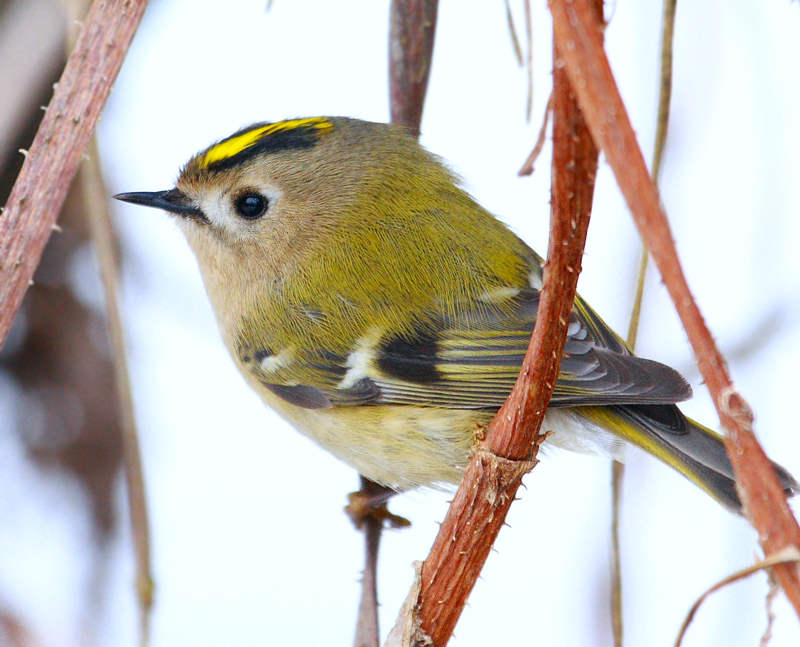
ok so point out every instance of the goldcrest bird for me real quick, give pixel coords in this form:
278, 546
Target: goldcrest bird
377, 307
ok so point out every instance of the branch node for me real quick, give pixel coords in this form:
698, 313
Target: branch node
731, 403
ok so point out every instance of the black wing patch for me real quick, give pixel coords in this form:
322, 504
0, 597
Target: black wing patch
472, 361
411, 357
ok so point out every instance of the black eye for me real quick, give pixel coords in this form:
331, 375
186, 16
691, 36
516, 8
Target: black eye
251, 205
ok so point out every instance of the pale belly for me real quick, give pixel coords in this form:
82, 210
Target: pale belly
404, 447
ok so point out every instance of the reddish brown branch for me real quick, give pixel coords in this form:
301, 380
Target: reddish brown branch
579, 37
42, 185
495, 472
411, 33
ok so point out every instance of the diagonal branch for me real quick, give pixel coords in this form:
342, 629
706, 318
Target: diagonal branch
47, 173
495, 471
579, 37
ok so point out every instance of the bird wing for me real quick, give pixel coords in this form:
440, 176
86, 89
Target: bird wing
470, 360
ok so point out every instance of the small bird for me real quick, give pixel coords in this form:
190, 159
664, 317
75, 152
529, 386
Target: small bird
377, 307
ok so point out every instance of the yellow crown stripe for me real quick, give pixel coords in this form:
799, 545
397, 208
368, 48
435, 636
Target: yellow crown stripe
235, 145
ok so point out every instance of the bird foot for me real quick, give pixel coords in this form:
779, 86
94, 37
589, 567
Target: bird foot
370, 502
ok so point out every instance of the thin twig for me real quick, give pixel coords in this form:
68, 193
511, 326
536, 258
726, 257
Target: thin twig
527, 166
367, 626
664, 86
662, 125
512, 31
617, 624
636, 309
617, 468
787, 556
99, 216
95, 198
495, 471
52, 161
584, 58
774, 590
529, 58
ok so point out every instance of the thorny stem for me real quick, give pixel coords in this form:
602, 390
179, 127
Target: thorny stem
40, 189
496, 469
584, 59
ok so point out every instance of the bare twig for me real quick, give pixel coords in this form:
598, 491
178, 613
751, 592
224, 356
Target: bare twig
512, 31
664, 86
787, 556
41, 187
98, 215
580, 41
496, 469
527, 166
774, 590
96, 204
636, 309
662, 125
617, 624
367, 627
529, 58
411, 33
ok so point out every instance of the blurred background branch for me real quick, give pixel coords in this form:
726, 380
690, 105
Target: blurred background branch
59, 353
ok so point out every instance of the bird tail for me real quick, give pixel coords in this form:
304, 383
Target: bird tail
692, 449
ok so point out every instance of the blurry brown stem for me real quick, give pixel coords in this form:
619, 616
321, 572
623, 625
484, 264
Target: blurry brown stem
617, 624
52, 161
512, 31
95, 197
529, 57
495, 472
579, 38
664, 86
96, 204
617, 469
662, 125
527, 166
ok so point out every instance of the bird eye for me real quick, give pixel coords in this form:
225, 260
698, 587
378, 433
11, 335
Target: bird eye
251, 205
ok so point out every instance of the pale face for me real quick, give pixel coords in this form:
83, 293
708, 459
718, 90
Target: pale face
238, 209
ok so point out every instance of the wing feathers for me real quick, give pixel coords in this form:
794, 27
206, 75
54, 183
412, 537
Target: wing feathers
470, 360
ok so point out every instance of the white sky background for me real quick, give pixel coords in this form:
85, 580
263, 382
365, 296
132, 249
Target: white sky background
250, 545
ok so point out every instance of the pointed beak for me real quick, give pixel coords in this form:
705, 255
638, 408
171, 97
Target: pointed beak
172, 201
